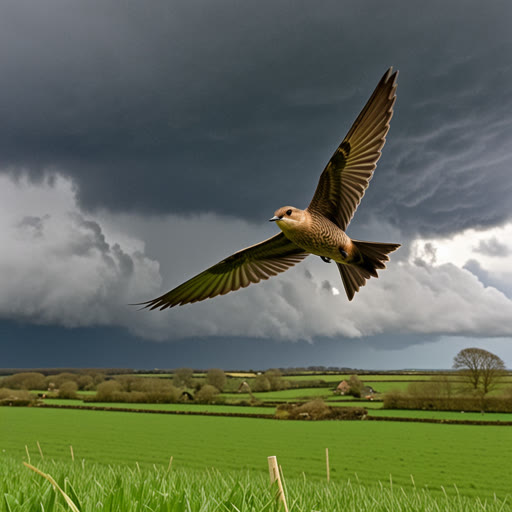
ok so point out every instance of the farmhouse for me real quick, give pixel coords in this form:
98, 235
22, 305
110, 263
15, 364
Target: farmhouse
343, 388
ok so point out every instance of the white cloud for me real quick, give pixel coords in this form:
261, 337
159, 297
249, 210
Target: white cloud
486, 253
60, 265
56, 266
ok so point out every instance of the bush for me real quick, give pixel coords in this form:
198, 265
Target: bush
25, 380
261, 383
15, 397
207, 394
401, 400
217, 378
108, 391
150, 390
356, 386
68, 389
183, 377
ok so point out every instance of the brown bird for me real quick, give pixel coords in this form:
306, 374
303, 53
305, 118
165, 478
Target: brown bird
320, 228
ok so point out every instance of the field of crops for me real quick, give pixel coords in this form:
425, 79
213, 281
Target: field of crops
470, 457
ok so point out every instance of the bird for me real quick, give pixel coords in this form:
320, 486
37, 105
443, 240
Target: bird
320, 228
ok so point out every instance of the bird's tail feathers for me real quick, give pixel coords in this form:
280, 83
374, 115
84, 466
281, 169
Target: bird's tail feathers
370, 257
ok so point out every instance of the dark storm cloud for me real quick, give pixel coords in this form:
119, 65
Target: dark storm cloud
235, 108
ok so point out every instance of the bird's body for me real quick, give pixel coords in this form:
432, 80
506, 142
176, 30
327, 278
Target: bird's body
315, 234
320, 228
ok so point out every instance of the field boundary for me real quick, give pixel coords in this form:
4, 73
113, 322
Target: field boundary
154, 411
439, 420
273, 417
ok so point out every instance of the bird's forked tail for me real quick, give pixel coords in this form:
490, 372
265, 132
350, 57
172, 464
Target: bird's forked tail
369, 257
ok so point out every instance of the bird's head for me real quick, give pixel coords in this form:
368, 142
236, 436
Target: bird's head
288, 217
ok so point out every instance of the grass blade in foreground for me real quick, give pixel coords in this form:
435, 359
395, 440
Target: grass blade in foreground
55, 485
123, 488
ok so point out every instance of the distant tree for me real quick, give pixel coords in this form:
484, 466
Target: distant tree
356, 386
275, 378
183, 377
207, 394
481, 369
107, 390
85, 382
261, 383
216, 377
68, 389
25, 380
60, 378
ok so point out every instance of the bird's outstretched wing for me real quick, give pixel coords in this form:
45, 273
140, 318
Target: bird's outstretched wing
345, 178
250, 265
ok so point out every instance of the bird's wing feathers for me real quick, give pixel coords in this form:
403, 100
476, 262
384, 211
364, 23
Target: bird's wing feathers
250, 265
345, 179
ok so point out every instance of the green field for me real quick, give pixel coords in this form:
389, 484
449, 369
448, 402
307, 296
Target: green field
471, 457
377, 377
166, 407
442, 415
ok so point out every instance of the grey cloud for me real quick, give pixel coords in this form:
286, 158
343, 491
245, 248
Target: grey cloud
326, 285
235, 108
500, 278
32, 225
492, 247
427, 300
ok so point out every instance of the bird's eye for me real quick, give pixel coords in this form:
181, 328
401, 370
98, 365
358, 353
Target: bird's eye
289, 212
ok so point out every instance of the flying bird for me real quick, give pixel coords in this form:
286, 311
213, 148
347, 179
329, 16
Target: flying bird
320, 228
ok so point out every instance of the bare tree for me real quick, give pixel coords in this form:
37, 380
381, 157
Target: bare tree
481, 369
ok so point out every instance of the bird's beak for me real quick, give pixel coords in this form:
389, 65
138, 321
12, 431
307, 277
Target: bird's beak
274, 218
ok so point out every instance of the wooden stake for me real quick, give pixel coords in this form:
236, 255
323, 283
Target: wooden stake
327, 465
40, 451
72, 454
276, 477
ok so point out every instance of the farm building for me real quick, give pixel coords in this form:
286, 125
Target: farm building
343, 388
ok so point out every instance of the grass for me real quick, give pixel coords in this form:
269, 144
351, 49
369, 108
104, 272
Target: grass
332, 378
130, 488
442, 415
166, 407
284, 395
121, 488
470, 457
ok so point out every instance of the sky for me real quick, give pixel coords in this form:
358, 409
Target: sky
141, 143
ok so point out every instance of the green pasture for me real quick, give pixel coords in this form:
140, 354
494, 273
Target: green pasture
442, 415
283, 395
471, 457
337, 378
167, 407
367, 404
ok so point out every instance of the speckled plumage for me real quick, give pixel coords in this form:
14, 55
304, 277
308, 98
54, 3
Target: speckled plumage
320, 229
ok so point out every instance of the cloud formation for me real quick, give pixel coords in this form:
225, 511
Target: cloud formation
57, 267
235, 108
61, 266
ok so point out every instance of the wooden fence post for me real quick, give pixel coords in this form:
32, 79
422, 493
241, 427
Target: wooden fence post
276, 477
327, 465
